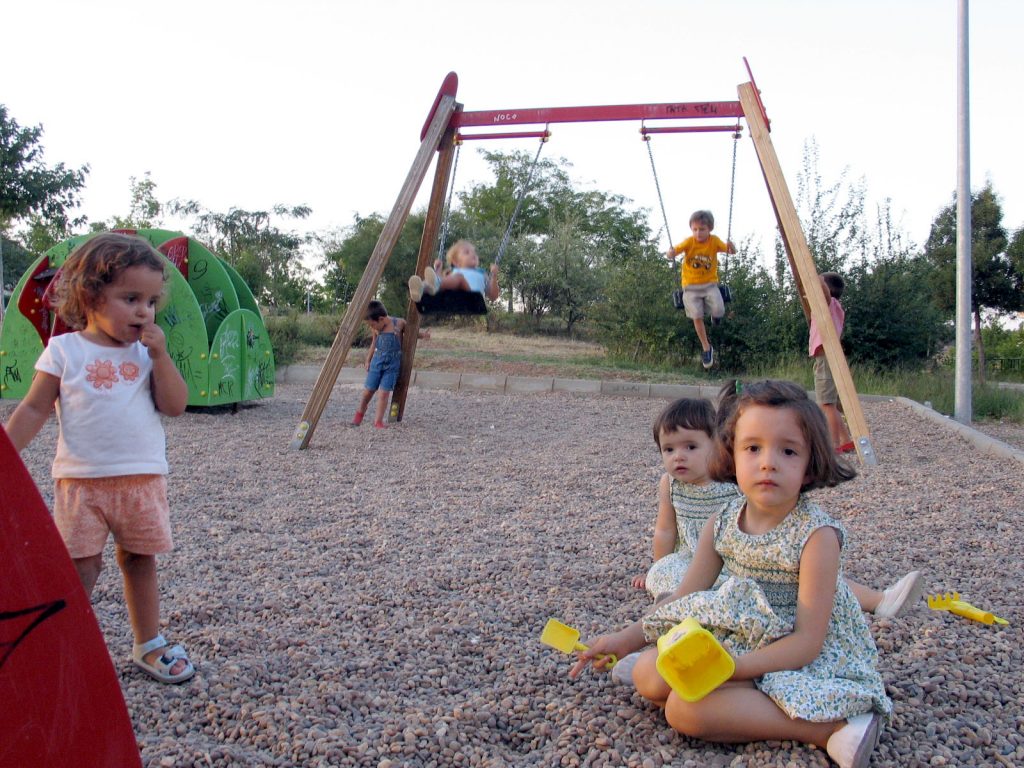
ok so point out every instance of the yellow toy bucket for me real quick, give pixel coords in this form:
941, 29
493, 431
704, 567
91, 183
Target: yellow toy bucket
692, 661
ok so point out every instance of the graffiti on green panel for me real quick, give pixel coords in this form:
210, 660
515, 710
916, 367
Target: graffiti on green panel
241, 361
259, 357
20, 347
183, 324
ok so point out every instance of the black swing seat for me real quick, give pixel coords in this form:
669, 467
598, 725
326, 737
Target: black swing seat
452, 303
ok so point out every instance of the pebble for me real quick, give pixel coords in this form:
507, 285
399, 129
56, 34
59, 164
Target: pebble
377, 600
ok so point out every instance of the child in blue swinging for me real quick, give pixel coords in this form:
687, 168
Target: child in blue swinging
464, 274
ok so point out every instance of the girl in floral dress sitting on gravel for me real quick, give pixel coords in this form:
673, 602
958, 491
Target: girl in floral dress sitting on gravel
805, 660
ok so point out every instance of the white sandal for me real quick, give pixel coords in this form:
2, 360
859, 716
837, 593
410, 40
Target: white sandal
901, 596
161, 668
851, 746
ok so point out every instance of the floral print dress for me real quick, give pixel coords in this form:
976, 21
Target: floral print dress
693, 504
757, 605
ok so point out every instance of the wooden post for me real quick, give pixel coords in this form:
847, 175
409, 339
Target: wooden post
804, 271
428, 243
371, 276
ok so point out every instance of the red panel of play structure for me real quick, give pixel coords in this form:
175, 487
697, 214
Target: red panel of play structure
62, 701
176, 250
31, 303
58, 326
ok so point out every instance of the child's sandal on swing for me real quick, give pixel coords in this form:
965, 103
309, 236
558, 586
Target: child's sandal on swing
431, 281
160, 668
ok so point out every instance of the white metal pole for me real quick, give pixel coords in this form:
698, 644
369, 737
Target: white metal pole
962, 396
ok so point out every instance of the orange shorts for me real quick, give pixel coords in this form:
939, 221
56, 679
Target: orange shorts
132, 507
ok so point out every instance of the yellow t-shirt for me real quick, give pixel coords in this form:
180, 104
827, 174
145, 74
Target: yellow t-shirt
700, 260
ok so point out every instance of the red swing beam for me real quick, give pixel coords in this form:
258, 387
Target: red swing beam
695, 110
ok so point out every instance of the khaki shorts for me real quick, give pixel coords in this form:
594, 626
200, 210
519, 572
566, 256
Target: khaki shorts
824, 385
131, 507
703, 299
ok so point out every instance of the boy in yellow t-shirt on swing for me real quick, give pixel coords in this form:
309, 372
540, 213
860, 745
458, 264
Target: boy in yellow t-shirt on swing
701, 294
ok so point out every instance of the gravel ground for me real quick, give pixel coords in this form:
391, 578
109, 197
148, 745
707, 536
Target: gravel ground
377, 600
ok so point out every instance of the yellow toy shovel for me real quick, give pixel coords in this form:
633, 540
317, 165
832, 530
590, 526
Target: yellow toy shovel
564, 638
950, 601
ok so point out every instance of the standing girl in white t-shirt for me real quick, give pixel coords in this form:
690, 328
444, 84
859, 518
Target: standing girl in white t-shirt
110, 380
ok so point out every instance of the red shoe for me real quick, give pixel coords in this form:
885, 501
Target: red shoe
380, 425
846, 448
357, 419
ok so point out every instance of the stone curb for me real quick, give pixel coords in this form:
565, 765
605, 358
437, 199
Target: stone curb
529, 385
982, 442
521, 385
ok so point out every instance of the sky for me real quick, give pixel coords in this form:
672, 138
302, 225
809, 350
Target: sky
252, 104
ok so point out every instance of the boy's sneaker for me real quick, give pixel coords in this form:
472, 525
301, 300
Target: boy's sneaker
431, 282
901, 596
707, 358
357, 419
416, 288
380, 425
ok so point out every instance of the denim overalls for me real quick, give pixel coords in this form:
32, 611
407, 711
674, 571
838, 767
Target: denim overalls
386, 362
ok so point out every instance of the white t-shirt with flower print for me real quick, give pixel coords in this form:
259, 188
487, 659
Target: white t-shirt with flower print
109, 425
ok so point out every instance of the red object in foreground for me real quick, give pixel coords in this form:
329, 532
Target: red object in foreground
60, 697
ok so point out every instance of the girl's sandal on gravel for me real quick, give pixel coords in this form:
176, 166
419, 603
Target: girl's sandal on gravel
160, 669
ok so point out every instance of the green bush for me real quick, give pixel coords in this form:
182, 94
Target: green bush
318, 330
284, 335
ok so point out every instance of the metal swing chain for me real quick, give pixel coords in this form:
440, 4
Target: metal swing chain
732, 183
522, 197
657, 186
448, 205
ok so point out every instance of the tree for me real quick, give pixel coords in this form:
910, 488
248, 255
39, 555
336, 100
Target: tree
16, 259
267, 258
145, 209
28, 186
347, 254
832, 215
562, 237
997, 281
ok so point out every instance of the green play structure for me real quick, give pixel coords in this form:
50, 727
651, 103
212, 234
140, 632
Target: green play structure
215, 332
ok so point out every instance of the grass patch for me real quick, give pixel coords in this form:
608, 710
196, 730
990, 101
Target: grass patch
469, 346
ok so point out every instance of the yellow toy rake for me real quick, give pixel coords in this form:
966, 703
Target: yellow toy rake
950, 601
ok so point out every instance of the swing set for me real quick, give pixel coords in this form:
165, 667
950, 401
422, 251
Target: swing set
441, 134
